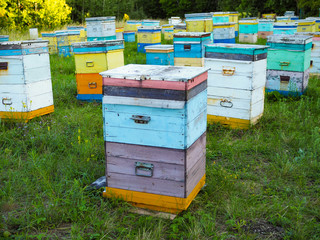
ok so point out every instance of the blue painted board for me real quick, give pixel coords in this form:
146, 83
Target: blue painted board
64, 51
129, 37
250, 28
27, 51
160, 58
189, 50
141, 46
170, 128
230, 40
89, 39
90, 97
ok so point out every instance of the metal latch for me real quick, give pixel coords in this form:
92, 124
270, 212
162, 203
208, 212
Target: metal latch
144, 169
140, 119
6, 101
92, 85
284, 63
89, 64
228, 71
226, 103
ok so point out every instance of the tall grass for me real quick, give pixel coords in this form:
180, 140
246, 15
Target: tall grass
262, 183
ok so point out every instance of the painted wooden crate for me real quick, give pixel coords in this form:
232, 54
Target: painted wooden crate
248, 26
154, 132
190, 44
166, 26
174, 20
181, 27
265, 25
100, 27
160, 55
269, 16
234, 17
248, 38
150, 23
148, 35
129, 36
168, 34
199, 25
317, 22
220, 17
4, 38
287, 82
285, 28
289, 52
236, 83
119, 33
52, 41
132, 25
25, 80
224, 33
91, 58
306, 26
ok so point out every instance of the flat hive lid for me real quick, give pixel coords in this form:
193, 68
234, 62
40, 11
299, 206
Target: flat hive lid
109, 18
289, 39
91, 44
248, 22
159, 47
192, 34
223, 24
235, 46
23, 44
149, 28
188, 15
155, 72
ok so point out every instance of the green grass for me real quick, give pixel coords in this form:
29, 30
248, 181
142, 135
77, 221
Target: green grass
266, 178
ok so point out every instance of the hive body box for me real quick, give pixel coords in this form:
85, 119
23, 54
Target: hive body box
160, 55
154, 132
234, 18
248, 31
4, 38
51, 38
129, 36
91, 58
181, 27
168, 33
132, 26
306, 25
315, 54
101, 28
288, 63
236, 83
265, 28
317, 23
224, 33
269, 16
25, 80
280, 28
174, 20
148, 35
189, 48
119, 33
150, 23
63, 44
199, 25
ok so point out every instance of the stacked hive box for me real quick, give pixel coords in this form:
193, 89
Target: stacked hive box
174, 20
51, 38
25, 80
160, 55
234, 18
155, 135
283, 19
4, 38
199, 22
220, 17
248, 31
189, 48
63, 44
269, 16
101, 28
129, 36
91, 58
236, 83
167, 30
280, 28
317, 23
119, 33
224, 33
265, 28
306, 26
73, 37
288, 63
83, 32
315, 54
289, 13
150, 23
182, 27
132, 26
197, 16
148, 35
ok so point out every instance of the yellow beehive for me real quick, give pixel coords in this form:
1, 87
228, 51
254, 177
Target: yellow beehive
74, 36
269, 16
149, 37
306, 26
189, 62
132, 26
51, 37
83, 35
195, 25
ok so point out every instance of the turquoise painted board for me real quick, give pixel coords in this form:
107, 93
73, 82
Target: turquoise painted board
265, 27
246, 49
250, 28
220, 19
129, 37
170, 128
188, 50
89, 39
288, 31
297, 61
286, 46
64, 51
160, 58
4, 38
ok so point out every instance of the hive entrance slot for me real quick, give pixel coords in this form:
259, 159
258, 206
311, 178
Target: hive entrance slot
3, 66
284, 79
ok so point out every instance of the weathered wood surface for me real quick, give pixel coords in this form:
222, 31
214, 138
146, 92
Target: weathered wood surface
89, 83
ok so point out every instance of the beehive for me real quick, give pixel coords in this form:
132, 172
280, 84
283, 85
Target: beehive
51, 38
148, 36
220, 17
174, 20
236, 83
168, 33
129, 36
155, 135
182, 27
269, 16
280, 28
283, 19
132, 26
224, 33
288, 63
289, 13
4, 38
234, 18
150, 23
190, 16
315, 54
317, 22
91, 58
25, 80
265, 28
101, 28
63, 44
166, 26
189, 48
248, 31
160, 55
306, 26
119, 33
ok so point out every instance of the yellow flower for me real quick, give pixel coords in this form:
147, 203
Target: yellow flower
48, 129
126, 17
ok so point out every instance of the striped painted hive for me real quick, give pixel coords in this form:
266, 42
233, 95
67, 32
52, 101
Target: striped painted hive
129, 36
166, 26
4, 38
293, 18
155, 134
234, 17
285, 28
168, 33
189, 48
132, 25
224, 32
317, 22
181, 27
199, 25
150, 23
82, 30
269, 16
220, 17
174, 20
248, 26
148, 35
51, 38
305, 25
160, 55
265, 28
91, 58
25, 80
236, 83
101, 28
63, 44
288, 63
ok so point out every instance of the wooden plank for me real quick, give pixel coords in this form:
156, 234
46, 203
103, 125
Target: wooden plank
234, 56
25, 116
195, 152
195, 174
89, 83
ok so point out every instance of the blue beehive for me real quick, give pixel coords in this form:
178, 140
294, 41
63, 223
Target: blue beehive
160, 55
285, 28
4, 38
129, 36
